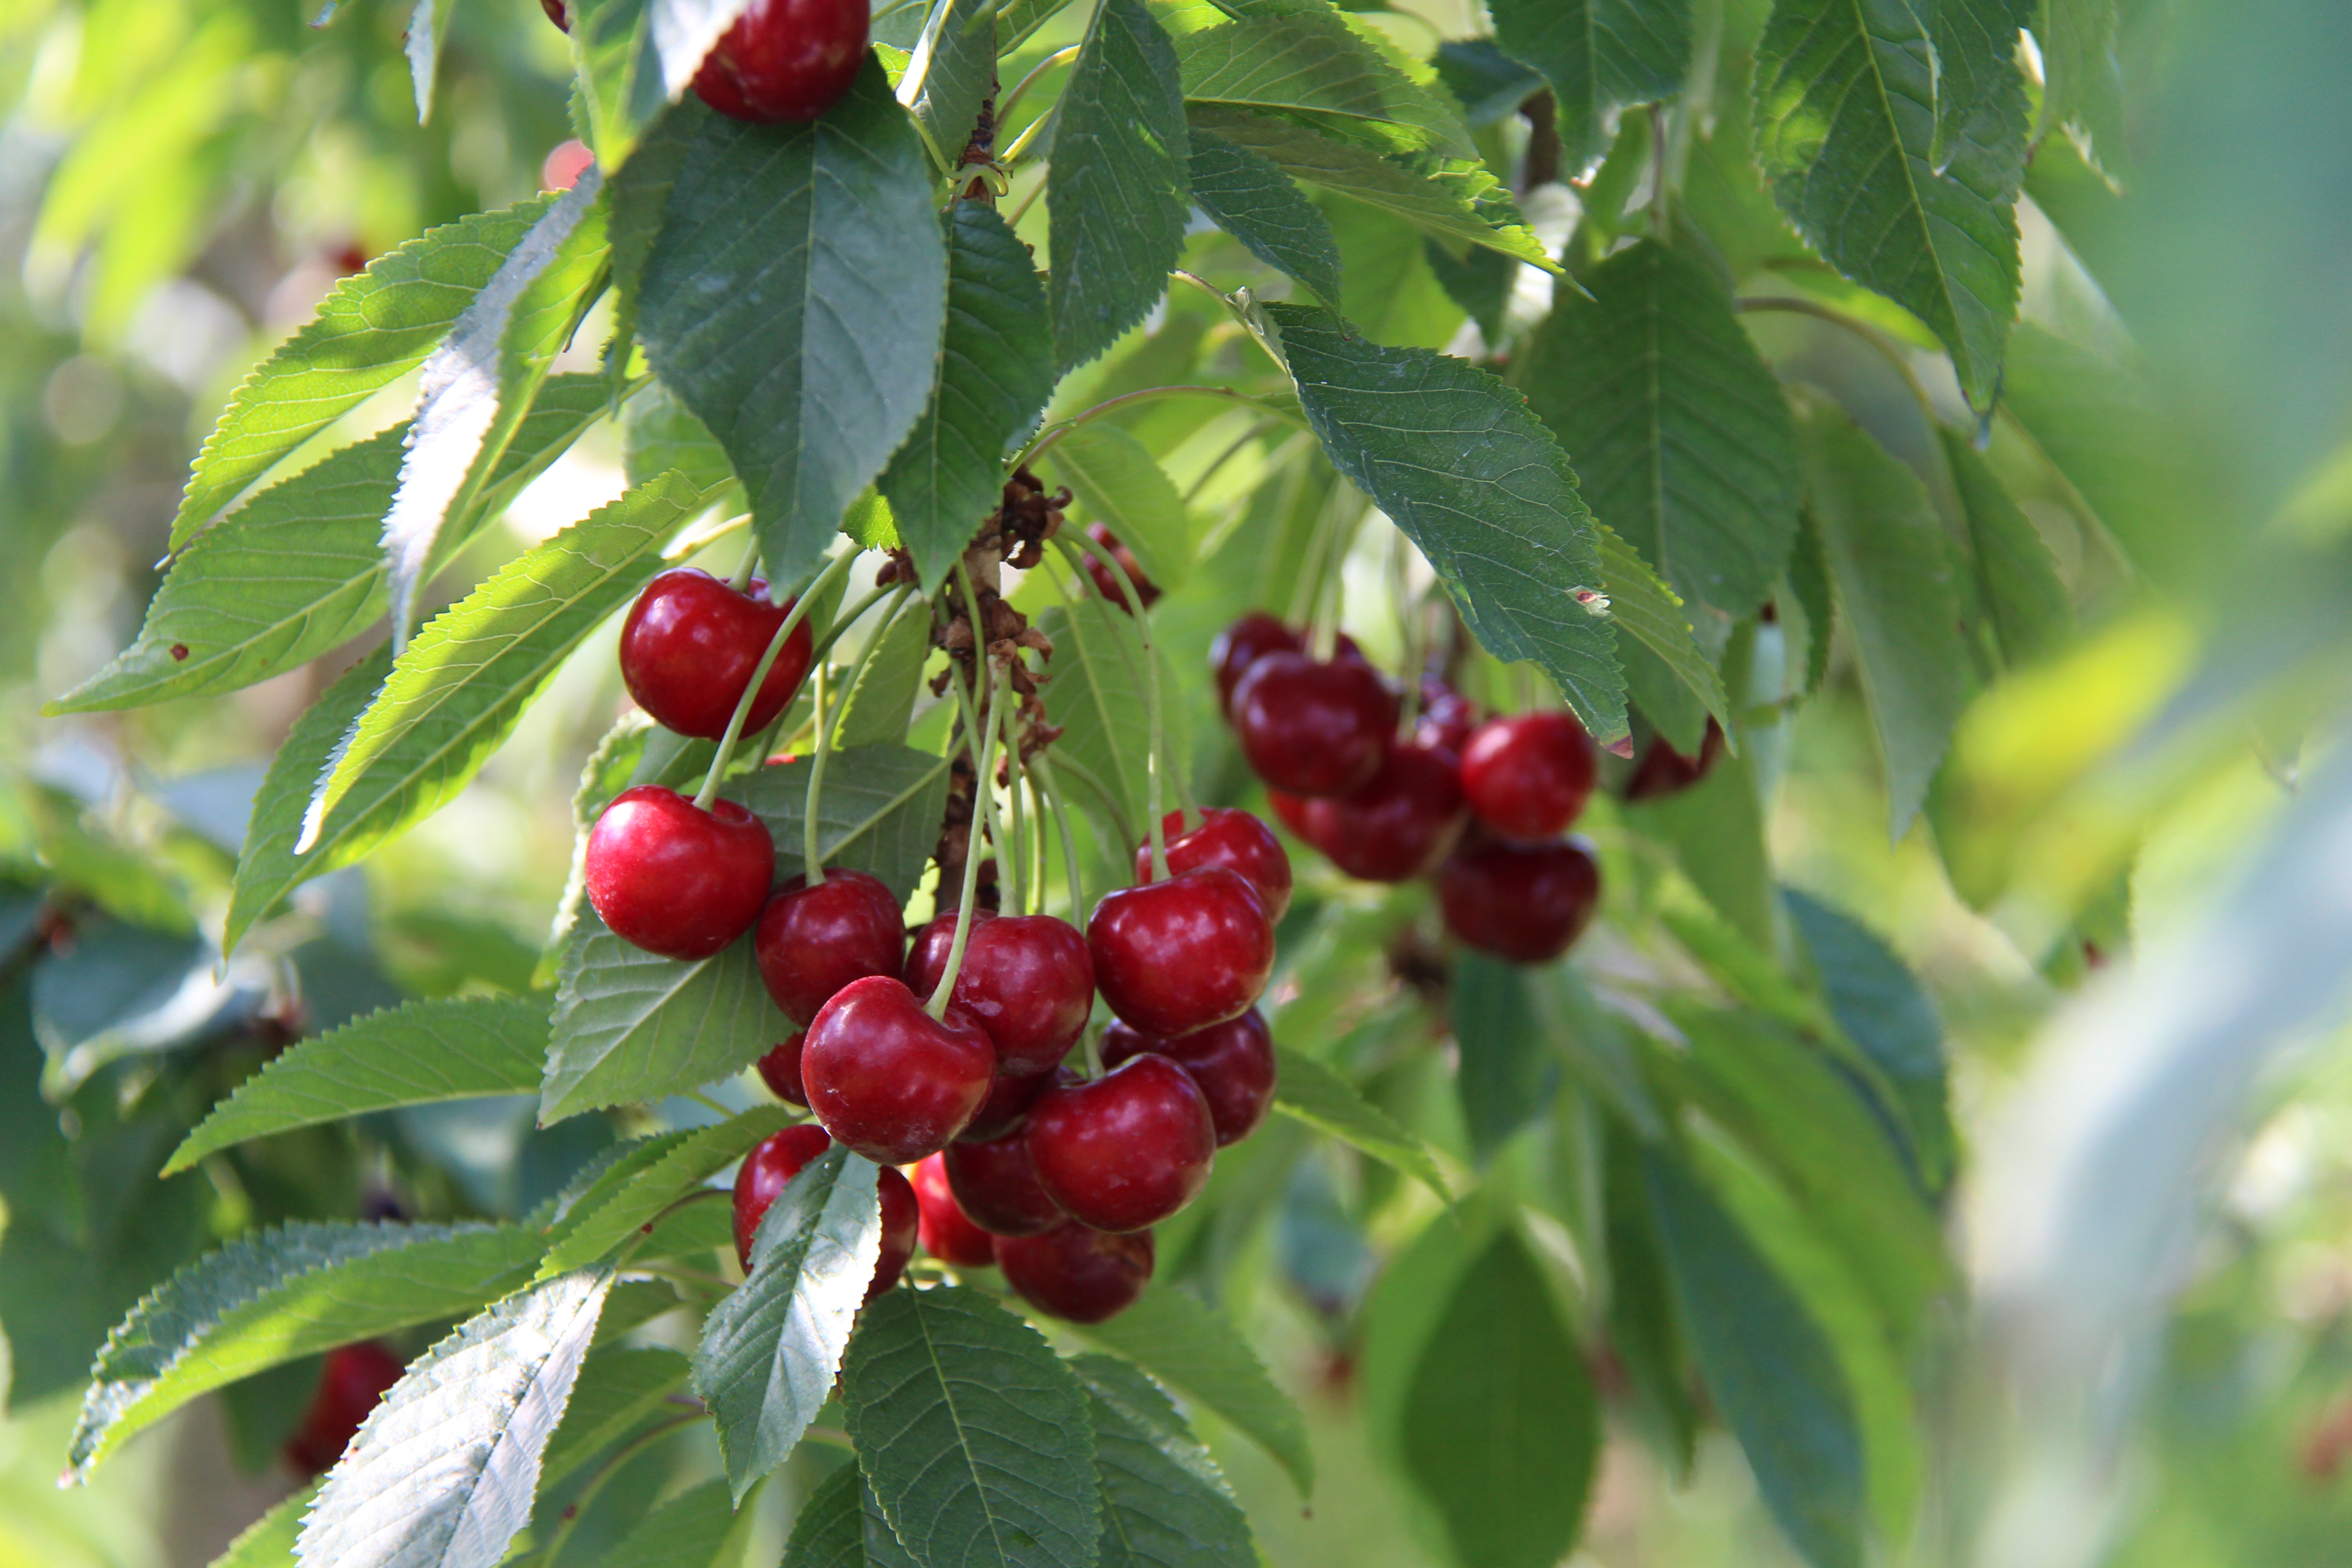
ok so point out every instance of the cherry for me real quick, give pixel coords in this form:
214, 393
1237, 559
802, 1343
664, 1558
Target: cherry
1447, 717
887, 1078
557, 13
1232, 1063
675, 879
1107, 580
1175, 956
946, 1232
775, 1160
1006, 1109
1395, 827
785, 60
1526, 902
1313, 729
780, 1070
1026, 980
350, 1382
1076, 1274
1663, 770
1127, 1150
1528, 776
1242, 645
1234, 839
811, 941
996, 1185
691, 644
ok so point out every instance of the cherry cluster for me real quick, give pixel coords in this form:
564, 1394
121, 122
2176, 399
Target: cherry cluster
1485, 806
782, 61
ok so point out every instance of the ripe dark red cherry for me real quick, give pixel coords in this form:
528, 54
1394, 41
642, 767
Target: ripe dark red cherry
349, 1385
1107, 580
675, 879
1242, 645
1448, 718
1080, 1275
1006, 1109
1313, 729
785, 60
1026, 980
1526, 902
1127, 1150
1231, 1063
811, 941
1395, 827
887, 1078
1175, 956
776, 1160
1234, 839
691, 644
997, 1187
780, 1070
557, 13
946, 1232
1663, 770
1529, 776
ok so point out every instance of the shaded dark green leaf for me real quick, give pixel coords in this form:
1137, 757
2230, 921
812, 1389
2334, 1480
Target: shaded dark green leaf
1507, 1075
619, 1388
880, 812
1197, 1351
878, 707
2016, 576
830, 1532
952, 72
1165, 1503
1975, 65
1601, 57
1311, 1091
1257, 203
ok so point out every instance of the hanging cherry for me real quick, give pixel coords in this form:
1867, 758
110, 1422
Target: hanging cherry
1175, 956
1448, 718
1106, 580
946, 1231
997, 1186
1242, 645
780, 1070
1312, 728
785, 60
1525, 902
811, 941
887, 1078
1125, 1151
1234, 839
673, 878
1663, 770
1528, 776
1232, 1063
691, 644
351, 1381
775, 1160
1026, 980
1077, 1274
1006, 1109
1392, 829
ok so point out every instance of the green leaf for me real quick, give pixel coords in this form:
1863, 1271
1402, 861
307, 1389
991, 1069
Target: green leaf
608, 41
1307, 1088
441, 1474
952, 73
1976, 65
1492, 85
1601, 57
972, 1434
1197, 1351
880, 812
1680, 435
877, 711
995, 372
1640, 1320
1717, 830
1120, 485
1308, 63
699, 1529
275, 1295
1845, 115
1098, 698
1502, 1426
619, 1387
1165, 1503
1809, 582
428, 23
659, 433
1257, 203
374, 329
1455, 459
1118, 203
632, 1026
770, 1350
457, 1047
830, 1532
1768, 1366
2016, 576
603, 1221
2082, 78
792, 296
1507, 1075
269, 1541
1652, 615
1891, 569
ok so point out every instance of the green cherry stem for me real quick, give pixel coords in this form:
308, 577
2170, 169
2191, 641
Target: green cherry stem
986, 760
812, 850
1016, 850
1154, 764
709, 791
741, 581
997, 834
1043, 772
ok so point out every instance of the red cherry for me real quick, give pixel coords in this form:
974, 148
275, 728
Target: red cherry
1290, 810
1663, 770
1313, 729
1080, 1275
780, 1070
675, 879
1529, 776
1448, 718
691, 644
1395, 827
1231, 1063
1107, 580
948, 1233
1129, 1149
997, 1187
1006, 1109
1242, 645
887, 1078
811, 941
1026, 980
1526, 902
785, 60
350, 1382
1175, 956
1234, 839
556, 13
775, 1160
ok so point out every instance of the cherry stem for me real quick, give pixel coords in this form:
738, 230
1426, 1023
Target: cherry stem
1094, 1052
1126, 829
986, 761
812, 851
741, 581
709, 791
1016, 850
1044, 773
1153, 767
1003, 843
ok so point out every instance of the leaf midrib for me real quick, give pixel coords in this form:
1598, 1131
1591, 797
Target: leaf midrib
963, 1443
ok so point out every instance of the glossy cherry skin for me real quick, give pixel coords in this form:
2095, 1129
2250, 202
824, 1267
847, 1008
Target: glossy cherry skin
780, 1070
1129, 1149
887, 1078
1107, 580
350, 1382
811, 941
774, 1160
1242, 645
1234, 839
557, 13
946, 1232
691, 644
1395, 827
1448, 718
1080, 1275
675, 879
1231, 1063
1528, 776
1026, 980
1175, 956
785, 60
1313, 729
1663, 770
1526, 902
1006, 1109
997, 1187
